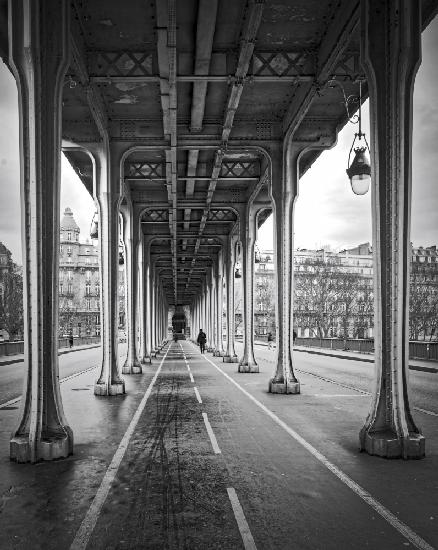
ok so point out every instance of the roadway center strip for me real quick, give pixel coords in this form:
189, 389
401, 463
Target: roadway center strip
242, 524
401, 527
89, 522
211, 434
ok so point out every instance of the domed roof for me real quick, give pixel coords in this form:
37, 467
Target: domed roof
68, 222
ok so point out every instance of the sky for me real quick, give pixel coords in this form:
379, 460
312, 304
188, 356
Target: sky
327, 213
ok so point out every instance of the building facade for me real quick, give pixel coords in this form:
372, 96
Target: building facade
79, 282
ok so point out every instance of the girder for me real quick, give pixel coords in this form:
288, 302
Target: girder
198, 95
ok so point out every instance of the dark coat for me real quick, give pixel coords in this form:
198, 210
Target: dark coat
202, 338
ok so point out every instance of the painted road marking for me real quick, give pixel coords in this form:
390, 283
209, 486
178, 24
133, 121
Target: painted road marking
401, 527
338, 395
89, 522
242, 524
16, 399
198, 397
211, 434
363, 392
191, 377
188, 367
425, 411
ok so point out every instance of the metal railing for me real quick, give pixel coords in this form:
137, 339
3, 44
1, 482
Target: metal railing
16, 348
417, 350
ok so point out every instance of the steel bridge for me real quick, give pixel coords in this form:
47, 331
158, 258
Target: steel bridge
192, 121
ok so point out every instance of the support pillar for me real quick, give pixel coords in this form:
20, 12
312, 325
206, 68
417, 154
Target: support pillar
130, 239
391, 54
219, 305
107, 199
248, 235
284, 190
39, 56
230, 355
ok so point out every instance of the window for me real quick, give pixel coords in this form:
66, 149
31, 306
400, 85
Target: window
69, 288
87, 251
97, 304
88, 303
60, 250
77, 237
70, 275
87, 289
69, 250
87, 261
61, 288
69, 235
88, 275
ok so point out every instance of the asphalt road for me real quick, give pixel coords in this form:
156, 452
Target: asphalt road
11, 376
198, 456
358, 374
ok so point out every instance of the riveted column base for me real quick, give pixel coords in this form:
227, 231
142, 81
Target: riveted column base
286, 386
230, 359
131, 367
218, 353
248, 367
116, 388
147, 359
48, 448
387, 445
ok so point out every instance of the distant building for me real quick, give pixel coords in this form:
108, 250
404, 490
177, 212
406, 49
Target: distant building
79, 283
11, 297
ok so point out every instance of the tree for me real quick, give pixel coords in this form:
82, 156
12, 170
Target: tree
11, 302
316, 298
423, 302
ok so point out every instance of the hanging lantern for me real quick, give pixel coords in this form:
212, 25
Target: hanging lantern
237, 274
121, 254
359, 171
94, 229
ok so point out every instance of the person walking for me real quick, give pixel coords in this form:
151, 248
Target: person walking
70, 340
270, 341
202, 338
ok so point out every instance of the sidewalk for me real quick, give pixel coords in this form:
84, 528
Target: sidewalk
414, 364
11, 359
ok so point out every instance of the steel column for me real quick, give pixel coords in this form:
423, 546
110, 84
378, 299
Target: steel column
39, 56
391, 55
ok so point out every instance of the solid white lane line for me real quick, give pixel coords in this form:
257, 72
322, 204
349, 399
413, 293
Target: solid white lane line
363, 392
401, 527
242, 524
425, 411
16, 399
338, 395
198, 397
89, 522
211, 434
10, 402
188, 367
191, 377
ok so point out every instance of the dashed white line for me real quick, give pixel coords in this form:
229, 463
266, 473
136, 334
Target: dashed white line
242, 524
393, 520
198, 397
211, 434
191, 377
89, 522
